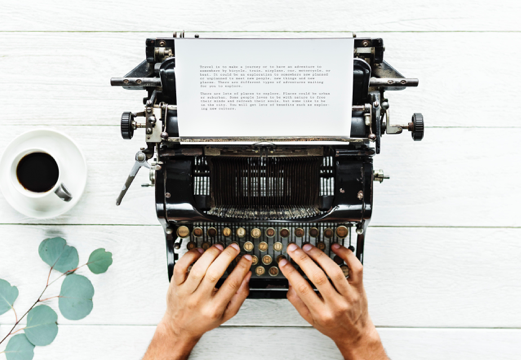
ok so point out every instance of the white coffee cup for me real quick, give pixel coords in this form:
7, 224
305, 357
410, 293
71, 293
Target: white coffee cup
58, 189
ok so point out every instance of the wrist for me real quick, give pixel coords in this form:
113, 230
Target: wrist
367, 346
174, 334
169, 343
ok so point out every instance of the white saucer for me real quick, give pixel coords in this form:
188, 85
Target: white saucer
73, 175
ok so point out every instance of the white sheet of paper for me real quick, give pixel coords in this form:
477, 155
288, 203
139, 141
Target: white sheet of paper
264, 87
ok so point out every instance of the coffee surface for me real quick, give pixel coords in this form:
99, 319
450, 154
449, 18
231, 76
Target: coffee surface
37, 172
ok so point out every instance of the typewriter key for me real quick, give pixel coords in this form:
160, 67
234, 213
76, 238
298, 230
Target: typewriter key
238, 258
263, 246
284, 233
277, 246
341, 231
259, 270
338, 260
248, 246
280, 257
227, 232
206, 245
328, 233
345, 270
191, 245
183, 231
313, 232
241, 232
270, 232
321, 245
299, 232
266, 259
254, 260
212, 232
274, 271
256, 233
198, 232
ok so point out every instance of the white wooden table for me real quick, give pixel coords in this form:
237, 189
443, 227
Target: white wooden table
442, 265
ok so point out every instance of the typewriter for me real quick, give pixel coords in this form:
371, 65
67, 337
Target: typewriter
252, 192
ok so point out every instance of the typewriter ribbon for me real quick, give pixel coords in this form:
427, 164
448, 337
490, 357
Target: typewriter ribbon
263, 192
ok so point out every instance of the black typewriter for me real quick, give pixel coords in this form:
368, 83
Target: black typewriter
261, 195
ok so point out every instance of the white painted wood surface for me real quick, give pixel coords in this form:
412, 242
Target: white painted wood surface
442, 256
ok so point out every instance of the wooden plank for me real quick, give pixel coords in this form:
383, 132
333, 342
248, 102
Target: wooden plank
454, 177
130, 342
268, 15
65, 79
414, 277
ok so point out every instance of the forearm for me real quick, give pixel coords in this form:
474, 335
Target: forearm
368, 347
167, 345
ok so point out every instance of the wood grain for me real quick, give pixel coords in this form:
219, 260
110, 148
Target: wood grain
130, 342
454, 177
65, 79
414, 277
256, 15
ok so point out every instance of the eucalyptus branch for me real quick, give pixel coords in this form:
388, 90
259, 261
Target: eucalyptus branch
67, 273
18, 330
15, 315
52, 297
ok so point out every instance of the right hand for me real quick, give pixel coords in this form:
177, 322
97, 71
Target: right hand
340, 309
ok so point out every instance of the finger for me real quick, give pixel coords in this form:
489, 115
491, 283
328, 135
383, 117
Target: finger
304, 291
313, 272
238, 299
330, 267
233, 282
218, 267
299, 304
181, 267
200, 268
355, 266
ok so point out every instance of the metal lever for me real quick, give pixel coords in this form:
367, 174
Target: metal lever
141, 160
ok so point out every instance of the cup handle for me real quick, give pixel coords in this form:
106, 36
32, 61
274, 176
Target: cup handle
63, 193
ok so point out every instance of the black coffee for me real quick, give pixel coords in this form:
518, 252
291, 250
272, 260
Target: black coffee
37, 172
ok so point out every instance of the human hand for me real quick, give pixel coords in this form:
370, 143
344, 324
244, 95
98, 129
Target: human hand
194, 305
340, 309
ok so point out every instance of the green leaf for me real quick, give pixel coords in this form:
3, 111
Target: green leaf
99, 261
8, 295
56, 253
41, 326
76, 297
19, 348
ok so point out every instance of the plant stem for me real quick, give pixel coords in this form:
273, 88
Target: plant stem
15, 315
66, 273
18, 330
49, 298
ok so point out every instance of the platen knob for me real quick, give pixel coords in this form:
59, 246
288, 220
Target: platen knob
127, 130
417, 127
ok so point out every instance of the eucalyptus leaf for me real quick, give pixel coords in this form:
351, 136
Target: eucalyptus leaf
99, 261
41, 326
56, 253
76, 297
19, 348
8, 295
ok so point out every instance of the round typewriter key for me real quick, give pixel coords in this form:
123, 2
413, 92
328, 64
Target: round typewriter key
345, 270
259, 270
183, 231
328, 233
274, 271
198, 232
263, 246
227, 232
341, 231
206, 245
212, 232
321, 245
313, 232
191, 245
248, 246
299, 232
241, 232
266, 259
256, 233
284, 233
277, 246
280, 257
270, 232
254, 260
238, 258
338, 260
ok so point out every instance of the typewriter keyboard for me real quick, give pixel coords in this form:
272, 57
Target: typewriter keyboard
266, 243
